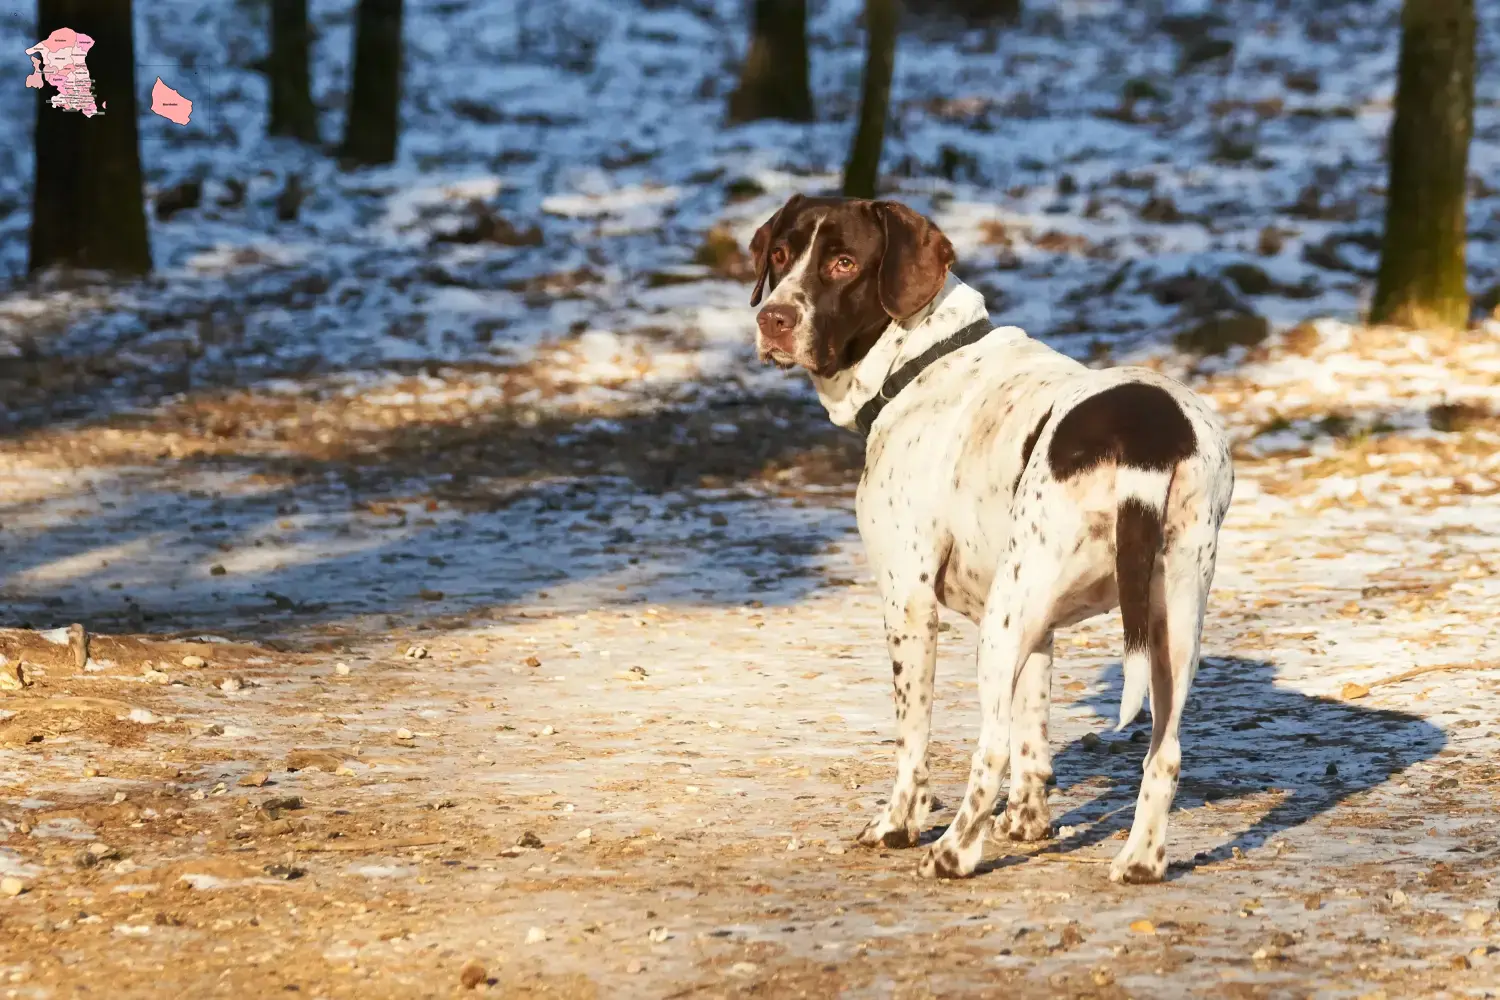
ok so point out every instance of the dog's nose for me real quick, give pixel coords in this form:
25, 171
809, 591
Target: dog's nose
777, 321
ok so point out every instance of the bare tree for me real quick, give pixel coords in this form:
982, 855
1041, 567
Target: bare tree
292, 110
863, 169
370, 133
971, 11
1422, 269
88, 206
773, 81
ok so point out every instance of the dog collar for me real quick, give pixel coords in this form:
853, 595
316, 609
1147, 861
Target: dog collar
907, 373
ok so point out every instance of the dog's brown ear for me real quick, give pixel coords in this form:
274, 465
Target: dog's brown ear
916, 260
760, 247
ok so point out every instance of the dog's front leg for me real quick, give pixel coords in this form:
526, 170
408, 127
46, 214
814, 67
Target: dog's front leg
911, 635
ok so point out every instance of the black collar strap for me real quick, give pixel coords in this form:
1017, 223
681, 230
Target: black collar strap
907, 373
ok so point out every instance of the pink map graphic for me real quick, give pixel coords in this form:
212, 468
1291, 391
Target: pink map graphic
59, 60
170, 104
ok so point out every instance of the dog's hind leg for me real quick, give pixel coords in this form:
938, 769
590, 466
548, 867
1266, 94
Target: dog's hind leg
1175, 630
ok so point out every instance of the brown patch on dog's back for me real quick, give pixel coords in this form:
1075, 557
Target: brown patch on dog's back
1134, 424
1028, 447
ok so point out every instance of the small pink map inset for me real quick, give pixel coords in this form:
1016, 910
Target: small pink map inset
170, 104
59, 60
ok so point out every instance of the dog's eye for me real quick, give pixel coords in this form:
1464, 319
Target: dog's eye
778, 256
843, 264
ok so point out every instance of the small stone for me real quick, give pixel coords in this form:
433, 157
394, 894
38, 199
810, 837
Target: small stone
530, 841
639, 672
532, 661
156, 676
834, 849
430, 595
1143, 927
11, 886
91, 772
1090, 741
278, 802
1332, 770
584, 834
1475, 920
548, 731
229, 685
304, 759
342, 669
1102, 976
635, 967
1312, 901
744, 968
472, 974
1459, 962
536, 936
1352, 691
254, 780
1398, 898
217, 569
416, 652
213, 729
284, 872
658, 934
193, 662
403, 734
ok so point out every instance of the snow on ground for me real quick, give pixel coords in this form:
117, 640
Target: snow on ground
462, 591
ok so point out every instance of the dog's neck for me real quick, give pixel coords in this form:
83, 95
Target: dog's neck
954, 308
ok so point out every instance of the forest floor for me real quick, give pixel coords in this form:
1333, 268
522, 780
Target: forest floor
467, 612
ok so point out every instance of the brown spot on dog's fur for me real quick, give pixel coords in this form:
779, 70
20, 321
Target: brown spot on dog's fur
1028, 446
1134, 424
1138, 539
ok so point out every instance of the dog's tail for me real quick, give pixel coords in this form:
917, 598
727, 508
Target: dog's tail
1138, 546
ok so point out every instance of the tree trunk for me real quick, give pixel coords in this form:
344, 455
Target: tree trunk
974, 12
88, 206
1422, 272
292, 110
773, 81
375, 98
875, 99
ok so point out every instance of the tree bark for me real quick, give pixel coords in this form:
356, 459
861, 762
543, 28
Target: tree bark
976, 12
370, 133
773, 81
292, 109
1422, 271
88, 206
863, 169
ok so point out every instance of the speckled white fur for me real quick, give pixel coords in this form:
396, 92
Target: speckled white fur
952, 513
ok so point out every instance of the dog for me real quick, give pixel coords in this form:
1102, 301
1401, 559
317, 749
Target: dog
1010, 484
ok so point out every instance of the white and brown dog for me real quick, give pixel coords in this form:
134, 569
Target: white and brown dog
1009, 483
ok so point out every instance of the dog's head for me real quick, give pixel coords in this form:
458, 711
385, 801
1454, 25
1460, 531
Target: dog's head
835, 273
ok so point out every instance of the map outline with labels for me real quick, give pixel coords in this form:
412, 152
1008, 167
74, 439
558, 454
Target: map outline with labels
60, 60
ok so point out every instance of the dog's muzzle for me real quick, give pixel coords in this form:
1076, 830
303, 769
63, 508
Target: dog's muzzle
778, 325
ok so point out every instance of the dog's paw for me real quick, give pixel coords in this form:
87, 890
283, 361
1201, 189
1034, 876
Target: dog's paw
879, 832
1027, 818
1132, 870
950, 858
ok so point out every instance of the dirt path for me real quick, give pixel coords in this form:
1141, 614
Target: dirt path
641, 778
